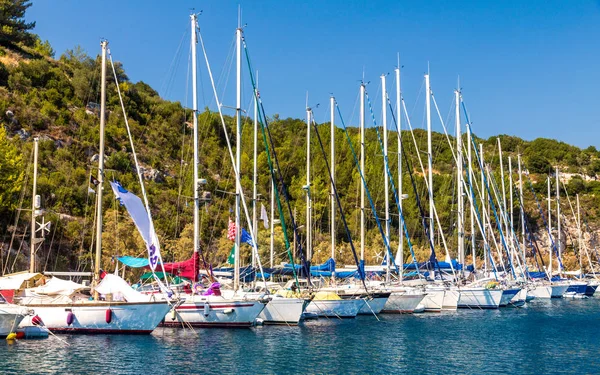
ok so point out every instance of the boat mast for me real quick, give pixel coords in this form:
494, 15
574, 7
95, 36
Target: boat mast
483, 209
510, 226
400, 254
362, 168
459, 176
332, 164
104, 45
255, 175
503, 208
34, 206
272, 254
580, 239
522, 213
386, 181
307, 188
238, 153
558, 243
430, 155
550, 228
470, 161
194, 42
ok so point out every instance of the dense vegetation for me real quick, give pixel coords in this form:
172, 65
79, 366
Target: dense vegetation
54, 99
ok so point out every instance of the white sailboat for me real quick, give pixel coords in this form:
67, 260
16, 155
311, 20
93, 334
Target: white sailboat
227, 308
115, 307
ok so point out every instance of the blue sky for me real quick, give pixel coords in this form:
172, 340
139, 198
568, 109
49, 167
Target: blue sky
527, 68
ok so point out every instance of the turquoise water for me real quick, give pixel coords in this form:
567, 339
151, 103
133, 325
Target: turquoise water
552, 337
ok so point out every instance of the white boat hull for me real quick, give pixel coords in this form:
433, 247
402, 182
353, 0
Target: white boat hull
479, 298
402, 303
433, 300
283, 311
94, 317
10, 318
451, 297
559, 290
539, 292
214, 311
343, 308
373, 305
508, 295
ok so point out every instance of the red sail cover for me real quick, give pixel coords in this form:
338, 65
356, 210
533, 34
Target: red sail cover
188, 268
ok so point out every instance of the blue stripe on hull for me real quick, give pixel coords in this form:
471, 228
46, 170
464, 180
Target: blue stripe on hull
578, 288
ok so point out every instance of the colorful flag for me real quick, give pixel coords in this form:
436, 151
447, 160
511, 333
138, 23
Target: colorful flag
231, 258
231, 230
263, 216
94, 180
246, 238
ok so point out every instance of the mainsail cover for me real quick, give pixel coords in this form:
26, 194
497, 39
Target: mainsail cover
142, 220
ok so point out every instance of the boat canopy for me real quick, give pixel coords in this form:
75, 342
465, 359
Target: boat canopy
113, 284
56, 286
187, 269
17, 281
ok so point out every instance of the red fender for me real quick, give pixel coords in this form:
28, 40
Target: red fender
37, 321
108, 316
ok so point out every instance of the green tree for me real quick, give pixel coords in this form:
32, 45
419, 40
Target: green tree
13, 27
11, 172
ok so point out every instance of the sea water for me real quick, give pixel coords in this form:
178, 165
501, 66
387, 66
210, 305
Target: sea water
543, 337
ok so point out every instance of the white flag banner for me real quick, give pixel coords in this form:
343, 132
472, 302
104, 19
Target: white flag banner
263, 216
142, 220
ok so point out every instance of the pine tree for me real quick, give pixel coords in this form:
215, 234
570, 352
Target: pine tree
13, 27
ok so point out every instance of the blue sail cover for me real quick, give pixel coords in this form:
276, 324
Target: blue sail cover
442, 265
537, 275
134, 262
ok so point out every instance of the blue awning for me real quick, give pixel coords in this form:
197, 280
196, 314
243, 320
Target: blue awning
134, 262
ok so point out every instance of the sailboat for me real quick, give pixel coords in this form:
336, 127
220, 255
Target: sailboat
61, 305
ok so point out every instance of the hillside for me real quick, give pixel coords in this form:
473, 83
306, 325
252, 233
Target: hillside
55, 100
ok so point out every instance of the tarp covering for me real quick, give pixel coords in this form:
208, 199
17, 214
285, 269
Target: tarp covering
56, 286
142, 220
326, 296
113, 284
17, 280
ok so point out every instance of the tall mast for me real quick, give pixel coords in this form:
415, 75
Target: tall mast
459, 176
430, 156
272, 254
505, 230
400, 254
522, 213
238, 154
558, 234
386, 181
332, 164
510, 196
308, 197
470, 161
34, 206
483, 208
550, 226
196, 152
255, 174
104, 45
362, 168
580, 239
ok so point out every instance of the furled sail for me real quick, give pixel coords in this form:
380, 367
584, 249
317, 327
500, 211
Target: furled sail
142, 220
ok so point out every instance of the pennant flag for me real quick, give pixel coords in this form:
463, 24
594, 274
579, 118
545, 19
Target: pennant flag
142, 221
91, 191
94, 180
263, 216
231, 258
231, 231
